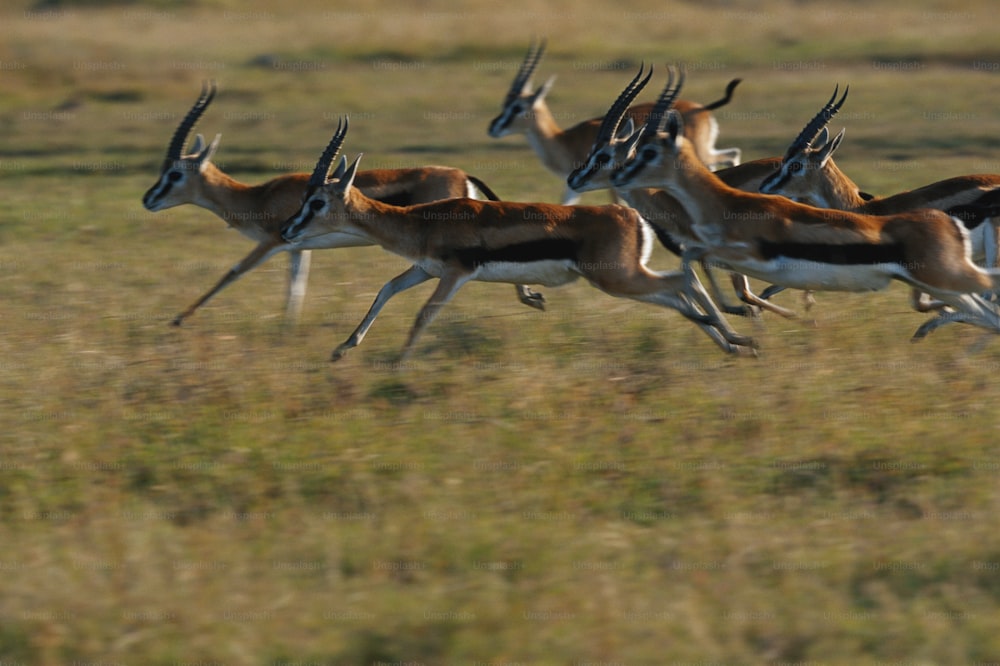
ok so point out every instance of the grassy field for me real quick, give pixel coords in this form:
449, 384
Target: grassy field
592, 484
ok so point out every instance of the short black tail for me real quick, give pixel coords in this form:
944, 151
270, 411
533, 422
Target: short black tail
483, 187
725, 100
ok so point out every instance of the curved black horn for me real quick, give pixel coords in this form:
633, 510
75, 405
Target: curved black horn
819, 121
531, 61
658, 116
318, 177
184, 129
613, 119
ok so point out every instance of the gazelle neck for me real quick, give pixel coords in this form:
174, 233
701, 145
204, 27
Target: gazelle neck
395, 228
547, 140
699, 192
839, 192
235, 202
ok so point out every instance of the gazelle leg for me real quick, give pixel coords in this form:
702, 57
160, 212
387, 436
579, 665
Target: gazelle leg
742, 286
695, 288
298, 278
411, 277
447, 287
676, 291
738, 310
969, 308
922, 302
990, 244
257, 256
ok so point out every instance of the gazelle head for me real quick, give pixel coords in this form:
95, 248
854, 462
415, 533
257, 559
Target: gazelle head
614, 143
326, 192
180, 175
660, 142
807, 159
521, 101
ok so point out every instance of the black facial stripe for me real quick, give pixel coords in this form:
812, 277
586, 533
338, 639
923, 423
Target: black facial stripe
546, 249
844, 254
161, 191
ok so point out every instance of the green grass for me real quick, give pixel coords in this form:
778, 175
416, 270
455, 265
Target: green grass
595, 483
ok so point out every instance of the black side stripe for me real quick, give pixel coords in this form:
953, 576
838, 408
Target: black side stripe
845, 254
401, 198
976, 212
546, 249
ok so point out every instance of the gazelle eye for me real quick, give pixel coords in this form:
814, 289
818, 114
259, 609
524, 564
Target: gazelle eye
174, 176
648, 153
316, 204
602, 158
795, 167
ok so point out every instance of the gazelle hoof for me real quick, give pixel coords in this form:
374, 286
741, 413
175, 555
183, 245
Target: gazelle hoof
534, 300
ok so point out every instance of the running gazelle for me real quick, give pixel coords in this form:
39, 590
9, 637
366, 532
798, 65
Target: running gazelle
612, 147
460, 240
809, 175
258, 211
525, 110
787, 243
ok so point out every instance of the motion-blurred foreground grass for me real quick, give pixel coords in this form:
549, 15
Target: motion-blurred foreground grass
596, 483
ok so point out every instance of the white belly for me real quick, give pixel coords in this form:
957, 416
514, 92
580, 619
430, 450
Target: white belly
803, 274
548, 273
332, 240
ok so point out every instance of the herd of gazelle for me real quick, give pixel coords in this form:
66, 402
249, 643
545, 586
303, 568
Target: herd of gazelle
794, 221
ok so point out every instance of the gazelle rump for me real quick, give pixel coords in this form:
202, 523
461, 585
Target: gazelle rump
808, 174
460, 240
259, 211
800, 246
612, 147
524, 110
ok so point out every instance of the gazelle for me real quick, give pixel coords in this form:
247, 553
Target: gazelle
611, 149
459, 240
809, 175
525, 110
259, 211
792, 244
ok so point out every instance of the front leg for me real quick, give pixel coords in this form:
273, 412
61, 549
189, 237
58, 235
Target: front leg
257, 256
739, 310
298, 277
411, 277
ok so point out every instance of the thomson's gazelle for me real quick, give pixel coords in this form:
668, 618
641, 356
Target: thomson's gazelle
612, 148
525, 110
809, 175
259, 211
778, 240
460, 240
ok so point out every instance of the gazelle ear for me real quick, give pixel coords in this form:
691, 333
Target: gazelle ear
543, 90
625, 130
822, 137
347, 177
826, 152
205, 155
339, 171
674, 128
199, 144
